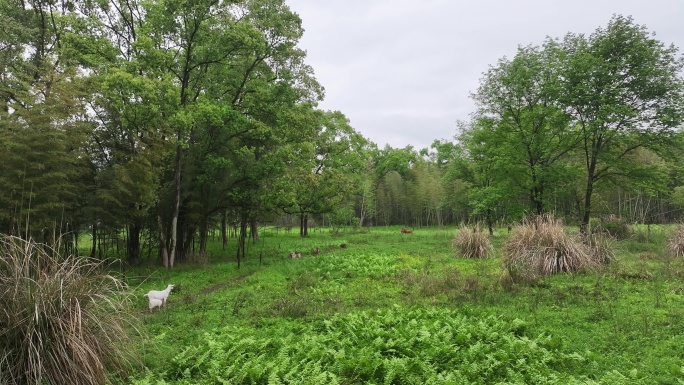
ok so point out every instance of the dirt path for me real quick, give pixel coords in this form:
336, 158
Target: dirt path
217, 286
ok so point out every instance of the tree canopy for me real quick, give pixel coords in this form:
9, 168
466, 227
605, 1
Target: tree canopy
161, 123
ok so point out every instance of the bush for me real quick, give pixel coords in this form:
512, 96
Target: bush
675, 243
541, 247
472, 244
615, 226
63, 321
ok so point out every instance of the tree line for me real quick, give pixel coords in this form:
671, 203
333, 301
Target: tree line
161, 123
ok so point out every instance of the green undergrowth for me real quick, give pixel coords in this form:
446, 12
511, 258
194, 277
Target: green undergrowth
390, 346
380, 307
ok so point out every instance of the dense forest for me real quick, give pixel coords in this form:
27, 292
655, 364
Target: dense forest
156, 124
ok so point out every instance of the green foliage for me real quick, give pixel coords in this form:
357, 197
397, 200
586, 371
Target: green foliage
63, 321
376, 265
610, 82
398, 345
613, 225
524, 134
619, 325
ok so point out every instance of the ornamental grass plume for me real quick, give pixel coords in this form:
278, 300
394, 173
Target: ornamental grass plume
472, 244
62, 319
540, 246
675, 242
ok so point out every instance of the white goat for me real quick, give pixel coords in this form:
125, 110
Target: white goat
155, 303
161, 295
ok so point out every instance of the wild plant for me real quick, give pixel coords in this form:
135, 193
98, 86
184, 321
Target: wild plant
394, 346
63, 320
613, 225
601, 250
675, 243
540, 246
472, 244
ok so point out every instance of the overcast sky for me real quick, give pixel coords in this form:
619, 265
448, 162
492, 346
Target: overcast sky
402, 70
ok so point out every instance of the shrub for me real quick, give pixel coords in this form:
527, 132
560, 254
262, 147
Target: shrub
540, 247
675, 243
63, 321
615, 226
472, 244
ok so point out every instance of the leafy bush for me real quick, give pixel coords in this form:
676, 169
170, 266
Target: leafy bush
355, 264
63, 321
540, 247
472, 244
615, 226
675, 243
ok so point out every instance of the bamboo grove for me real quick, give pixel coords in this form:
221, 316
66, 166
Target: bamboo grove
157, 124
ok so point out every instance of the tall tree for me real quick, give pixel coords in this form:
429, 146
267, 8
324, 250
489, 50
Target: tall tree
332, 173
490, 191
624, 90
41, 109
529, 133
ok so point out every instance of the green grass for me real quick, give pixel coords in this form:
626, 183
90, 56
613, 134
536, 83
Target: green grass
400, 309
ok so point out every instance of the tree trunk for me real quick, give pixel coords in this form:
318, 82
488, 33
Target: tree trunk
586, 214
163, 247
254, 230
224, 230
176, 208
490, 222
133, 243
241, 240
303, 225
362, 214
203, 230
93, 248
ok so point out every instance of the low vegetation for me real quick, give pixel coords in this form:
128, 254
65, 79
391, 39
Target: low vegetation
389, 308
541, 246
611, 225
675, 245
62, 319
472, 243
386, 308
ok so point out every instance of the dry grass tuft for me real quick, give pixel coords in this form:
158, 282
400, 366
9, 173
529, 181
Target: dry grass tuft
675, 243
540, 247
601, 250
472, 243
62, 321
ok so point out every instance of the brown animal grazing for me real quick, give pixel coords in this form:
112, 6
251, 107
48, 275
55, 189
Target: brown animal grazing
295, 255
316, 250
404, 230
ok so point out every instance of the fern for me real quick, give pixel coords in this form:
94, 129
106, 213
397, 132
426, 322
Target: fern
396, 346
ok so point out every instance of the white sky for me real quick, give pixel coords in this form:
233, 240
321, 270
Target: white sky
402, 70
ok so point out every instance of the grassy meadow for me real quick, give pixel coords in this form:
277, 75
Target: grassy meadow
380, 307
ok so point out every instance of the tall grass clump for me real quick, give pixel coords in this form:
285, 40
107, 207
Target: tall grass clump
600, 248
62, 320
472, 244
541, 246
675, 242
